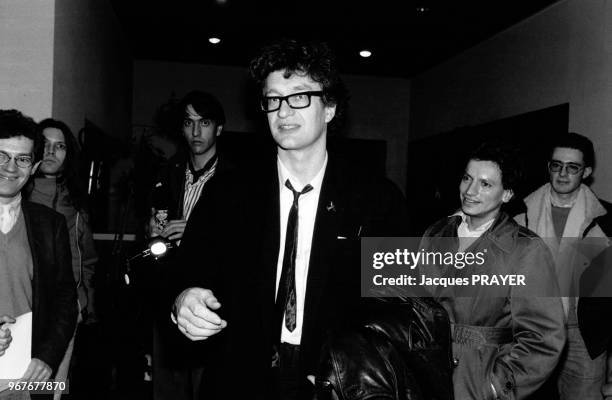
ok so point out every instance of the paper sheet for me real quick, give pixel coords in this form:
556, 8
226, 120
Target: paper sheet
16, 359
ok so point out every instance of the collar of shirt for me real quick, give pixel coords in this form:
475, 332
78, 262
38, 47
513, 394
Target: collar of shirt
9, 214
557, 203
191, 175
464, 231
195, 175
284, 174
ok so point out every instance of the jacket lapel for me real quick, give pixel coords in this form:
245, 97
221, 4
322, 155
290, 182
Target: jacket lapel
270, 238
177, 187
35, 249
329, 212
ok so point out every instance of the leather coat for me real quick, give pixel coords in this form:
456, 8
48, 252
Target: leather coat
400, 350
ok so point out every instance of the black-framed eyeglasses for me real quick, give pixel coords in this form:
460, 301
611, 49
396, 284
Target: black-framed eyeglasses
22, 161
570, 167
295, 100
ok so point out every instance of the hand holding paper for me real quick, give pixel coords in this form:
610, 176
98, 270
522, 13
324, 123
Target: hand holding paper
16, 358
38, 371
5, 333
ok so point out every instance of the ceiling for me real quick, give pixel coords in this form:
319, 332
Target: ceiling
406, 37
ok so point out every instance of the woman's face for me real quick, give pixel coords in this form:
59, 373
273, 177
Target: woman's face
55, 152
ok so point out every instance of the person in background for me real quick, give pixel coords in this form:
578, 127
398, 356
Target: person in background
35, 268
575, 224
506, 340
56, 185
199, 121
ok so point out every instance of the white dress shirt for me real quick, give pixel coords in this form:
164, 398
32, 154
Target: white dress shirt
468, 236
9, 214
307, 213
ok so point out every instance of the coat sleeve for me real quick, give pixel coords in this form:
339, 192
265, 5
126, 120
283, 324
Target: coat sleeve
537, 325
197, 256
89, 258
64, 309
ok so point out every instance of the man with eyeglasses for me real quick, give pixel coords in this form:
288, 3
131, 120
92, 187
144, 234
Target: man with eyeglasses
570, 218
282, 239
35, 261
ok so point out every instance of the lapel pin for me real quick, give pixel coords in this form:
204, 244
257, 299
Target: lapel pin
331, 206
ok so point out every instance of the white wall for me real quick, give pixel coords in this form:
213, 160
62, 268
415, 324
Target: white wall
92, 67
379, 107
560, 55
26, 56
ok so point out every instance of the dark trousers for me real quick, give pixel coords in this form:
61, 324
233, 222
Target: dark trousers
172, 381
286, 377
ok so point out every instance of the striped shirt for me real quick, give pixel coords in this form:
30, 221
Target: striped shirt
193, 190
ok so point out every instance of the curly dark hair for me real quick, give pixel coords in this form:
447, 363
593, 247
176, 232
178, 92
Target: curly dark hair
507, 159
313, 59
13, 123
70, 174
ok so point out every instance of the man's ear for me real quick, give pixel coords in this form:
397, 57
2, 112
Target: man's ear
219, 129
35, 167
330, 112
587, 172
508, 195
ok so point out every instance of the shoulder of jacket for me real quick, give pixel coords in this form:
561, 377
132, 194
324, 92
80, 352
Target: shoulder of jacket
41, 212
439, 226
525, 232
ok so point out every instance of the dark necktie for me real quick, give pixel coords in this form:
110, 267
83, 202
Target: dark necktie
285, 299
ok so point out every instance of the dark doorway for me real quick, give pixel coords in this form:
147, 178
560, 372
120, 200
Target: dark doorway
435, 164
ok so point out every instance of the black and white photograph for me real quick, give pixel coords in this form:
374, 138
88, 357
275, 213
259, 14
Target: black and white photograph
306, 200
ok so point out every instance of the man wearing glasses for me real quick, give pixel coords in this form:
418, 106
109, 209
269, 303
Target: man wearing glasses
568, 216
35, 262
282, 240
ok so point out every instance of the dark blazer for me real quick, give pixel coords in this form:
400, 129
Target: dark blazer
231, 246
54, 303
168, 193
169, 186
595, 304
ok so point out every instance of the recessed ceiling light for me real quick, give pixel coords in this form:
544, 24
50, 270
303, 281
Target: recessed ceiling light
365, 53
214, 40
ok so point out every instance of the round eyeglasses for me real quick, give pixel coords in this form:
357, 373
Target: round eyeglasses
570, 167
22, 161
295, 100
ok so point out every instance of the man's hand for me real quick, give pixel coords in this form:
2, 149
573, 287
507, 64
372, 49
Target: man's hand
152, 229
194, 314
38, 371
5, 333
174, 230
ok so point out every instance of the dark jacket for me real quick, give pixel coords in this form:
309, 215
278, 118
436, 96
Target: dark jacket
595, 304
54, 194
54, 303
169, 187
168, 193
231, 245
399, 351
506, 339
